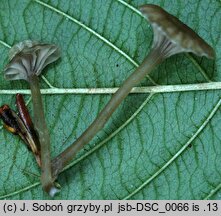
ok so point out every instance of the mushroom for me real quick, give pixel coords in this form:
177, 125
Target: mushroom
27, 60
171, 36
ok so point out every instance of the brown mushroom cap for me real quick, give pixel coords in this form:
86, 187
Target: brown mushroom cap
176, 31
29, 57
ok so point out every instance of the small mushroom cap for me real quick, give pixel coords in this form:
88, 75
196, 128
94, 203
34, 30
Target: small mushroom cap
29, 57
176, 31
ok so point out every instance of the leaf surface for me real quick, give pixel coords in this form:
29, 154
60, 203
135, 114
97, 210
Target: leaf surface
156, 146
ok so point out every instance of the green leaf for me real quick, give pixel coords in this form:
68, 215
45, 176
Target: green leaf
164, 145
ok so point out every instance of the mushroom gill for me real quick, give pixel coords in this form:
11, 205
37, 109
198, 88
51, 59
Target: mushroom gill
171, 36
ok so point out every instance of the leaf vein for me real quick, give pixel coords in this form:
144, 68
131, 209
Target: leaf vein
181, 150
213, 192
88, 153
96, 34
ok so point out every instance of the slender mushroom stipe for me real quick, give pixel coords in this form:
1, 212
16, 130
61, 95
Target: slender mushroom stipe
171, 36
27, 60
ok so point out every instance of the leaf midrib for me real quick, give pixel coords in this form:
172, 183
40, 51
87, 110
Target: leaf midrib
135, 90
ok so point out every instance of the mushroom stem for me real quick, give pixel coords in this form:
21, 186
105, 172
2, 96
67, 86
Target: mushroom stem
27, 59
170, 37
151, 61
43, 133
